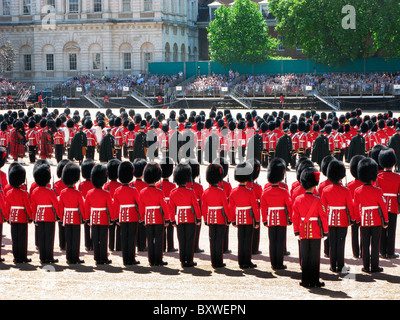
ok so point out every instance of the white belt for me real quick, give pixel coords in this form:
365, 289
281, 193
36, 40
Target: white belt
70, 209
275, 208
390, 195
152, 208
98, 209
45, 206
337, 208
215, 208
311, 219
126, 206
242, 208
183, 208
17, 208
369, 208
166, 198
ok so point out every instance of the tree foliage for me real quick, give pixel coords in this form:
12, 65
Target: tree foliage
316, 26
239, 34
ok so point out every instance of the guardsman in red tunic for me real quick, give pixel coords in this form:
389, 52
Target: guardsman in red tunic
2, 219
91, 139
32, 137
139, 184
198, 190
71, 212
130, 140
18, 213
338, 203
265, 139
339, 143
276, 212
114, 232
241, 139
100, 211
84, 187
389, 182
298, 189
117, 132
310, 224
199, 140
167, 167
232, 142
44, 207
126, 203
185, 213
295, 144
371, 212
155, 211
59, 141
215, 212
381, 133
324, 168
4, 136
353, 185
245, 212
272, 140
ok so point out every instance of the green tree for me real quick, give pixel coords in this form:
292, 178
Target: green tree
239, 34
317, 26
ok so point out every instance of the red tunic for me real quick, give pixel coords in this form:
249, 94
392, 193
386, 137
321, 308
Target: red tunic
84, 187
276, 206
389, 182
183, 206
243, 206
71, 206
153, 206
368, 203
308, 213
18, 209
99, 207
111, 186
322, 185
166, 186
338, 203
44, 205
214, 206
58, 187
127, 204
353, 185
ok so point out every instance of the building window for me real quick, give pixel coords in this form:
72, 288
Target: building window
51, 3
147, 57
96, 61
26, 7
73, 6
148, 5
73, 61
97, 6
127, 61
28, 62
6, 8
50, 62
280, 45
126, 5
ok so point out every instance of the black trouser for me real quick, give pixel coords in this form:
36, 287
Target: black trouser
217, 236
19, 237
90, 152
114, 237
100, 237
293, 156
197, 237
141, 238
256, 240
232, 156
242, 153
32, 153
355, 241
118, 153
155, 235
337, 241
226, 238
61, 235
72, 242
370, 238
186, 235
88, 237
128, 241
264, 159
326, 246
200, 155
46, 231
58, 152
168, 241
388, 236
245, 237
310, 255
277, 240
131, 155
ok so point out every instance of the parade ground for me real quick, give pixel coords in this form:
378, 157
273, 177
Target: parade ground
88, 281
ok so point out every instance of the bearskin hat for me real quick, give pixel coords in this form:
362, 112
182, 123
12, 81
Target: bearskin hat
276, 170
16, 175
387, 158
86, 167
363, 127
243, 172
375, 151
306, 163
88, 123
99, 175
60, 167
256, 168
42, 175
125, 172
3, 157
182, 174
354, 164
367, 170
325, 163
224, 163
152, 173
195, 166
139, 165
309, 178
336, 171
71, 174
112, 169
214, 173
167, 167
